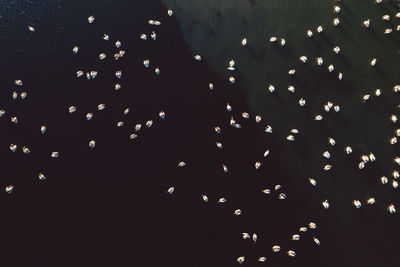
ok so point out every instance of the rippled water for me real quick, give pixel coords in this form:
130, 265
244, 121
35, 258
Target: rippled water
108, 204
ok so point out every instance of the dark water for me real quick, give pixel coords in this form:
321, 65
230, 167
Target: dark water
108, 206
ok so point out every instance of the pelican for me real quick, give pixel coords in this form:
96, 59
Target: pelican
357, 204
257, 165
318, 117
217, 129
153, 35
106, 37
2, 112
336, 49
133, 136
340, 76
71, 109
240, 260
395, 174
268, 129
258, 118
320, 29
91, 19
336, 9
157, 71
361, 165
302, 229
120, 124
282, 196
170, 12
266, 191
92, 144
326, 154
14, 120
237, 212
302, 102
393, 118
336, 21
228, 107
18, 82
391, 208
79, 73
102, 56
41, 176
332, 141
118, 74
276, 248
309, 33
371, 201
372, 157
245, 115
312, 181
331, 68
312, 225
143, 37
93, 74
395, 184
75, 49
290, 137
366, 23
271, 88
373, 62
303, 59
291, 253
211, 86
283, 42
384, 180
393, 140
89, 116
244, 41
221, 200
316, 241
325, 204
296, 237
292, 71
273, 39
320, 61
9, 189
232, 79
30, 28
254, 237
277, 187
197, 57
23, 95
262, 259
181, 164
43, 129
205, 198
117, 87
327, 167
13, 147
378, 92
225, 168
171, 190
291, 88
348, 150
386, 17
25, 150
138, 127
14, 95
55, 154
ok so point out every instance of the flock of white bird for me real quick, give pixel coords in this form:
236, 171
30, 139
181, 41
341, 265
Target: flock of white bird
364, 159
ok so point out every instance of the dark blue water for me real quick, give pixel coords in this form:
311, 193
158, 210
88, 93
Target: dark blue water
108, 206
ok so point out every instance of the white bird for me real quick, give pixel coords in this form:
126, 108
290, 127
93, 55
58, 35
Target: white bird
92, 144
291, 253
170, 12
336, 21
41, 176
91, 19
240, 260
205, 198
31, 28
391, 209
276, 248
221, 200
384, 180
262, 259
237, 212
366, 23
296, 237
18, 82
106, 37
312, 225
13, 147
171, 190
312, 181
373, 62
43, 129
371, 201
9, 189
244, 41
325, 204
357, 204
55, 154
316, 241
309, 33
75, 49
326, 154
181, 164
